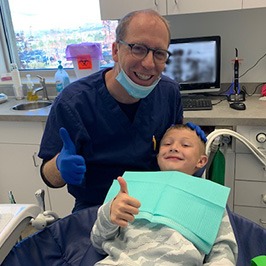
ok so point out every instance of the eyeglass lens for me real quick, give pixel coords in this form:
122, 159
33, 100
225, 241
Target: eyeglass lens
141, 51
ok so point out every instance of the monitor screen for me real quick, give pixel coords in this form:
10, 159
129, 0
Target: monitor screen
195, 64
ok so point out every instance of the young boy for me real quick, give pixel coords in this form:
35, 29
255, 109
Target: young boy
139, 242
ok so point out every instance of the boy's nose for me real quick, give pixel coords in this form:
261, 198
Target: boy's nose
174, 149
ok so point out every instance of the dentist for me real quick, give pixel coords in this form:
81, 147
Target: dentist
112, 121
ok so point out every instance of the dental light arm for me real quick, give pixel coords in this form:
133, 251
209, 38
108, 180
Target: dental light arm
213, 149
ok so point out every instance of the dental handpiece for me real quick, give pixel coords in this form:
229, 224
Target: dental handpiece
236, 72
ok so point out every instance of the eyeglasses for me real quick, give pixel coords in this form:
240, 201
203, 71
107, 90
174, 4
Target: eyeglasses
140, 51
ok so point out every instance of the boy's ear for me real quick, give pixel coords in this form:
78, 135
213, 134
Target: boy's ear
202, 161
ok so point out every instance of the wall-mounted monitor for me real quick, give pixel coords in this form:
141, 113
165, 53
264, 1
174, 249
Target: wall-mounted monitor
195, 64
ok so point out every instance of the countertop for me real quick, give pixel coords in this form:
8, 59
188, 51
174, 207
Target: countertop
223, 115
220, 115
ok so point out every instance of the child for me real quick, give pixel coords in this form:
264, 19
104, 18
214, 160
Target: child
140, 242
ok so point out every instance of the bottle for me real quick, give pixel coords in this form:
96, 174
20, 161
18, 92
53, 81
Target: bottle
30, 96
17, 85
61, 78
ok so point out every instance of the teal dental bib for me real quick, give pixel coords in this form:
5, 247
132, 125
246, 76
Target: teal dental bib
193, 206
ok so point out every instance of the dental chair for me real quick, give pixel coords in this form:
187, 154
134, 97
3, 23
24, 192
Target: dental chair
15, 218
67, 241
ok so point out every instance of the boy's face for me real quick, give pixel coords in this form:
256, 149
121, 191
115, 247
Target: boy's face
181, 150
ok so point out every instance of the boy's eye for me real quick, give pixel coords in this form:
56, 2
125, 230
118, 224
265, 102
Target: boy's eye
186, 145
166, 144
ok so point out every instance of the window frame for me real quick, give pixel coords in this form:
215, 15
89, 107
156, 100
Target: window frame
4, 25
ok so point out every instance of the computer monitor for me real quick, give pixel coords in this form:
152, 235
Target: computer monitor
195, 64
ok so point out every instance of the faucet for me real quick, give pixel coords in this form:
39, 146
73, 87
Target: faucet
42, 88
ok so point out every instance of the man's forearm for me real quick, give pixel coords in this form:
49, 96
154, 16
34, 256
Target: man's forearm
51, 175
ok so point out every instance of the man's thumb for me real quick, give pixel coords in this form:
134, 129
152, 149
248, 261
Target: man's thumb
123, 184
67, 142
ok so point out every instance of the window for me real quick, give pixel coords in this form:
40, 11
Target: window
37, 32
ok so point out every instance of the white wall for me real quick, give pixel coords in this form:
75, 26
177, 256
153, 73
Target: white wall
242, 29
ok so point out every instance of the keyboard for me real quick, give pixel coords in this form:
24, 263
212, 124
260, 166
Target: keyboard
195, 104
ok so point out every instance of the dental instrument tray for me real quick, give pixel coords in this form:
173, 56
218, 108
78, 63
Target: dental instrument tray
13, 220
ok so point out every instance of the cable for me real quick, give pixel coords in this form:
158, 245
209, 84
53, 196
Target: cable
252, 66
219, 101
218, 132
244, 140
244, 89
213, 149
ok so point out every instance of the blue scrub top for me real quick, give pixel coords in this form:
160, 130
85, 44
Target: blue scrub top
104, 135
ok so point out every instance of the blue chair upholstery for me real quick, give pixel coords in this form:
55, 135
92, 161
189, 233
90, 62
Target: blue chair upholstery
67, 242
250, 237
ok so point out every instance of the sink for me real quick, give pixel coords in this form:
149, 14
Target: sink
31, 105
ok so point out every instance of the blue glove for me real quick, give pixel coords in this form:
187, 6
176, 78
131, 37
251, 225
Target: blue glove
71, 166
198, 130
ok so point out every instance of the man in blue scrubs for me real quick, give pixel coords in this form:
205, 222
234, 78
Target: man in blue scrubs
113, 120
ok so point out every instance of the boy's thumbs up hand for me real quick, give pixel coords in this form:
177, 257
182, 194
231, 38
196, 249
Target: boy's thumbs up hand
123, 185
72, 167
123, 207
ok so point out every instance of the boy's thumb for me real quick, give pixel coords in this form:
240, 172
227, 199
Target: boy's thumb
123, 184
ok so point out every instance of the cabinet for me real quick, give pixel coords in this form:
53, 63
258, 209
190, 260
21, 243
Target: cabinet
191, 6
254, 3
250, 177
19, 144
116, 9
20, 167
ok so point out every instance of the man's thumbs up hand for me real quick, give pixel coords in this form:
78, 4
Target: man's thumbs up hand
72, 167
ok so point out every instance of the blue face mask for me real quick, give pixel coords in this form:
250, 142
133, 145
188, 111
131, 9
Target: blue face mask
133, 89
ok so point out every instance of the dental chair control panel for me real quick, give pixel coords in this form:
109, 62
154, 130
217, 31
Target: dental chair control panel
13, 220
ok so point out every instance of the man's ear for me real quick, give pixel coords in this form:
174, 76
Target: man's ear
202, 161
115, 51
